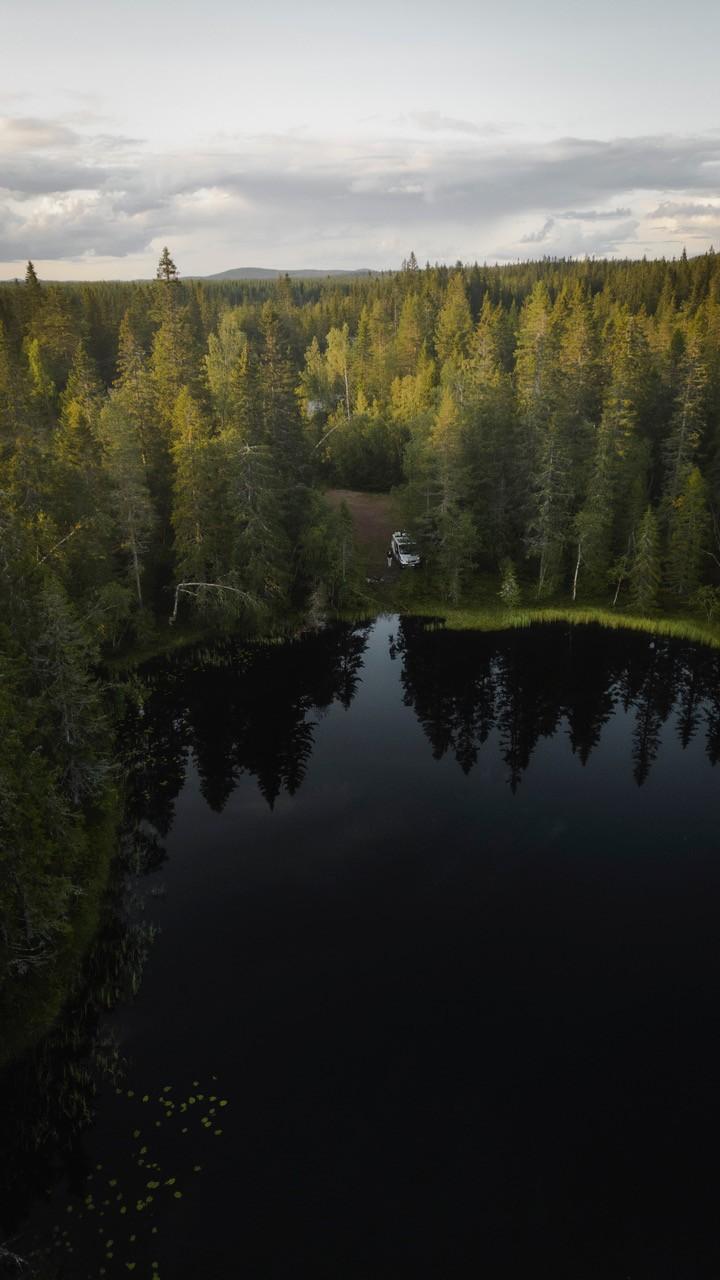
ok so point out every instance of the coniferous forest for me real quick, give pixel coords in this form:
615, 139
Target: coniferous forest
549, 434
553, 427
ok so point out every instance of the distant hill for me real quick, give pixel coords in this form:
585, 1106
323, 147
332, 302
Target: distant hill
269, 273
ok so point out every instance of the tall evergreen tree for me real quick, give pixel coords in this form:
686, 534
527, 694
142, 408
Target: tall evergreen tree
130, 499
454, 323
225, 349
645, 566
200, 545
688, 528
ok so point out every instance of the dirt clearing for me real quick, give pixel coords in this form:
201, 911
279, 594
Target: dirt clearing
374, 519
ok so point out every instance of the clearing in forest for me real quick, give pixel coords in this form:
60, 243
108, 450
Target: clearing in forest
374, 519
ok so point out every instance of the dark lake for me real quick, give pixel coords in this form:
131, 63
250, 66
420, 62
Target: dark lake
438, 919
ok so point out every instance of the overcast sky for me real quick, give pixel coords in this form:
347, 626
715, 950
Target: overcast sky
310, 133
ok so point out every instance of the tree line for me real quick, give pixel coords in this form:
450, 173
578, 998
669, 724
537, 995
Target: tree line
570, 438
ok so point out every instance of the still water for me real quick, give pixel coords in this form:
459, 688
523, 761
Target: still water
430, 931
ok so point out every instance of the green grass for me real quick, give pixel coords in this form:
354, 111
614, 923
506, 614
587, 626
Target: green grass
483, 611
488, 617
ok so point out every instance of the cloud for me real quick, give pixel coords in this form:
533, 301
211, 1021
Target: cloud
594, 215
436, 122
686, 209
70, 226
573, 240
29, 133
69, 192
537, 237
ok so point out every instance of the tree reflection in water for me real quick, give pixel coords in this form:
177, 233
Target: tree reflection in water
464, 686
237, 709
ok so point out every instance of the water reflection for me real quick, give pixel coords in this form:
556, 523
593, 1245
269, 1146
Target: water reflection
49, 1093
400, 966
238, 709
528, 685
253, 710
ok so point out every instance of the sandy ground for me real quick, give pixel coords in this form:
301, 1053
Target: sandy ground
374, 519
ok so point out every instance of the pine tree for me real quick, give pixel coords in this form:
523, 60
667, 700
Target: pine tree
173, 363
509, 586
500, 469
337, 360
686, 426
41, 385
80, 402
548, 527
578, 359
261, 555
133, 385
31, 281
536, 365
688, 528
645, 566
33, 295
362, 355
245, 402
281, 425
411, 334
225, 350
280, 417
166, 270
130, 500
455, 535
200, 545
457, 542
454, 323
594, 521
13, 397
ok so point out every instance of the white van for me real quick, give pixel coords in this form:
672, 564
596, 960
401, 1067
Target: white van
404, 550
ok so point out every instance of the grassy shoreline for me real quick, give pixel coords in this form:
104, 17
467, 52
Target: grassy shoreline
481, 612
487, 616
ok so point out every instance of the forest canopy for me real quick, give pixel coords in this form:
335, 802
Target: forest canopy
561, 418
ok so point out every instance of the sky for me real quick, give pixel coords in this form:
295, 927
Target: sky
334, 135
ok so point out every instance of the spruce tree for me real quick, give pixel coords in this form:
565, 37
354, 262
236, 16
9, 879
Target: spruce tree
225, 349
536, 366
130, 499
548, 527
686, 425
645, 565
509, 586
133, 385
688, 529
454, 323
173, 361
201, 544
33, 295
166, 269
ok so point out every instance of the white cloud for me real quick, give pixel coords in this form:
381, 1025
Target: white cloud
69, 192
27, 133
685, 209
594, 215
